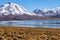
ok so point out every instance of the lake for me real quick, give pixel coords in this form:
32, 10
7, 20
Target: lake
32, 23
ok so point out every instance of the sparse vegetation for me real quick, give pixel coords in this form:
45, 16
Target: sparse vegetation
28, 33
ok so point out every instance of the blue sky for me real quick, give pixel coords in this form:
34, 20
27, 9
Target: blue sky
33, 4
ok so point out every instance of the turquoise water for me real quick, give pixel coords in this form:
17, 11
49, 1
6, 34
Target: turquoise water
32, 23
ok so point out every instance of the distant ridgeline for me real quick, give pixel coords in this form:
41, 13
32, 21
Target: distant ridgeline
12, 11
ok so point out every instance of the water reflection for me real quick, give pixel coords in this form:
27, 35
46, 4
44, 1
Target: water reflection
36, 23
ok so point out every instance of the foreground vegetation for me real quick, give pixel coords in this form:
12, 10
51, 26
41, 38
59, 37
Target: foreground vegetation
25, 33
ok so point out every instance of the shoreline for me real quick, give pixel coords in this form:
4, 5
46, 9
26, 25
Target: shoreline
27, 27
33, 19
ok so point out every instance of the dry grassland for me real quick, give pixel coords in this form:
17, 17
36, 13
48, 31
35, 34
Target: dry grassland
28, 33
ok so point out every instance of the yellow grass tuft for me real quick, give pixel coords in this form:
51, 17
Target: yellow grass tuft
29, 33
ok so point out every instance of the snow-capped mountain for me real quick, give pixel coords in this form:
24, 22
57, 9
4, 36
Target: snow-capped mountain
12, 11
12, 8
47, 12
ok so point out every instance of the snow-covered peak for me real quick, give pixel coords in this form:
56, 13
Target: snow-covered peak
44, 9
12, 8
49, 12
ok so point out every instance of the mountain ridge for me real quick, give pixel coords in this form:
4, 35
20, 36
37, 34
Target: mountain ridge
13, 11
13, 8
47, 12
